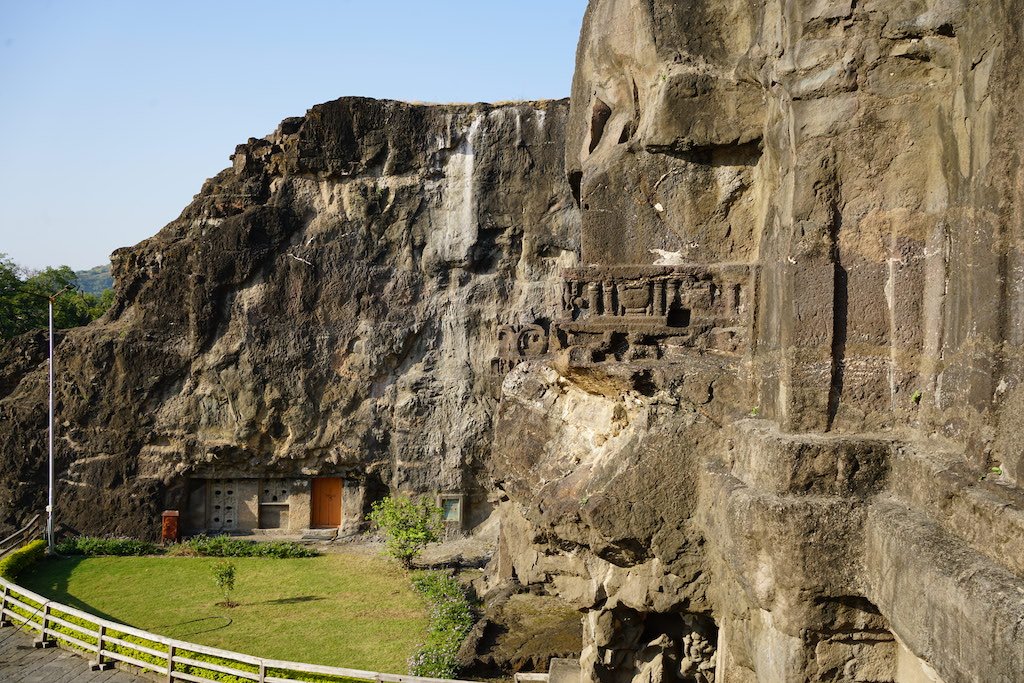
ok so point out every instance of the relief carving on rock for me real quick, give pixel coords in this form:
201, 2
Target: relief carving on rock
692, 306
519, 342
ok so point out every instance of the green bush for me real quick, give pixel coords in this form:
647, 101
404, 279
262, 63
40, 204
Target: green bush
408, 526
207, 546
23, 297
451, 618
94, 546
225, 546
22, 558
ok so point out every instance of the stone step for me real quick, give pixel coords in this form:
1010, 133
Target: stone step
319, 534
763, 457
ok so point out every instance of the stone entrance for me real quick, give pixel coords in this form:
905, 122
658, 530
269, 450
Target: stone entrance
233, 504
326, 503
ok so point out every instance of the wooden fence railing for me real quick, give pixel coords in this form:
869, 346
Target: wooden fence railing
108, 642
18, 538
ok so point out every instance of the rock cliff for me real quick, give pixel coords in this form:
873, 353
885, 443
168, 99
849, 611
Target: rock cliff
329, 305
775, 441
729, 344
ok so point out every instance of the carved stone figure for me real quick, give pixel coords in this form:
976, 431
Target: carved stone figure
517, 343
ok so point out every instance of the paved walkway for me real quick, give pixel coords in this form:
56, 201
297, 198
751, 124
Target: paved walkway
22, 663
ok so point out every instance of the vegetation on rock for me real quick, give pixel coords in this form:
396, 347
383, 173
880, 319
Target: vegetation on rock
451, 618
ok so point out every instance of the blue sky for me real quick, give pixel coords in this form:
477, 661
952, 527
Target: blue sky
113, 113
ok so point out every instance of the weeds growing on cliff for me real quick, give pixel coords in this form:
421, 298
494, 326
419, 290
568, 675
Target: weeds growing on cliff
451, 618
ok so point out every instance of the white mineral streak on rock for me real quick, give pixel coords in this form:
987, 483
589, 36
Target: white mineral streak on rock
458, 224
667, 258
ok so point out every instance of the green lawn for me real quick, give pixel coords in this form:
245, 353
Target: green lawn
340, 610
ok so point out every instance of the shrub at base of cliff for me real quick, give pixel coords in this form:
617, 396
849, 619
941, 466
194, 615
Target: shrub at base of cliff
21, 559
225, 546
408, 526
200, 546
451, 618
119, 547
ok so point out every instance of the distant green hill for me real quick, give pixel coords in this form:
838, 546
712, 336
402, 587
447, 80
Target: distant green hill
95, 280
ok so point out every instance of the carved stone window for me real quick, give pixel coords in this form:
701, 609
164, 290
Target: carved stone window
274, 503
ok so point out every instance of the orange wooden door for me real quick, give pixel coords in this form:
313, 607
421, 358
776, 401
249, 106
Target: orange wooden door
326, 502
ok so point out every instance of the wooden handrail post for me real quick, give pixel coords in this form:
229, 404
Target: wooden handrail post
100, 664
263, 672
170, 663
4, 621
44, 641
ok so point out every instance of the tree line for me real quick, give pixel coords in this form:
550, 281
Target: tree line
24, 294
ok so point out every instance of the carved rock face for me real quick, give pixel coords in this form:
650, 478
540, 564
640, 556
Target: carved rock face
664, 155
824, 197
664, 137
849, 151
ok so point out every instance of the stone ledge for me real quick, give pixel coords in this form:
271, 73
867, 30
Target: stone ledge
808, 464
986, 515
951, 605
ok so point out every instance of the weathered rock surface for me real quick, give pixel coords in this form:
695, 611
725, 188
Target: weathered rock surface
329, 305
521, 632
741, 370
774, 437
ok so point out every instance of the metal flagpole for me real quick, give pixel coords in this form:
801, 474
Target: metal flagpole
49, 507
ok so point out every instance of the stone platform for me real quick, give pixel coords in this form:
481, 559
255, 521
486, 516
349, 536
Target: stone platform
20, 662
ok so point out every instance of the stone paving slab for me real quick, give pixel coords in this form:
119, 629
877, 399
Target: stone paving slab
20, 662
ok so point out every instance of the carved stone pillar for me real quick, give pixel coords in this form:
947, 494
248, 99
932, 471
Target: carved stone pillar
593, 297
673, 294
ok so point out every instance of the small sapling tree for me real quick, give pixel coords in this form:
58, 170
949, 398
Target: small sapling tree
224, 576
408, 526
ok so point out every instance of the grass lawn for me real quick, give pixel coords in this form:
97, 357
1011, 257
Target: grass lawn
340, 610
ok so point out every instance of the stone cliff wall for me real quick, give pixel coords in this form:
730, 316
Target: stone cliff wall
732, 340
774, 440
328, 306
